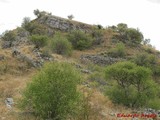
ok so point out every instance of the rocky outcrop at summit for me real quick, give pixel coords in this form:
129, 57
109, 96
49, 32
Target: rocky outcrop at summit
63, 24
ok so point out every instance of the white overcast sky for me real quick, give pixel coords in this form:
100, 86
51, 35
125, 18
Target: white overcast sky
142, 14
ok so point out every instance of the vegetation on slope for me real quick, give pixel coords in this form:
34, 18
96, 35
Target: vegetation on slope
53, 93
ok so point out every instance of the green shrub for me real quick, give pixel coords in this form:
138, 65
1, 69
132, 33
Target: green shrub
155, 103
37, 29
134, 87
52, 94
80, 40
39, 40
98, 36
134, 36
145, 59
61, 45
119, 51
148, 60
9, 36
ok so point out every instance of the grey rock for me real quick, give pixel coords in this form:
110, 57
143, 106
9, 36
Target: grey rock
19, 55
15, 52
9, 102
101, 60
85, 71
78, 66
23, 33
21, 38
50, 59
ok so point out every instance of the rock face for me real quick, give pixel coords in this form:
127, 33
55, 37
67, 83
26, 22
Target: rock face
63, 24
100, 60
37, 61
19, 55
21, 38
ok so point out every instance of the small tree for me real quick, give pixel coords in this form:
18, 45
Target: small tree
134, 86
26, 21
52, 94
37, 13
70, 17
146, 41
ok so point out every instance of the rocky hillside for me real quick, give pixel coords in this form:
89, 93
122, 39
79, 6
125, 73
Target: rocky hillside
89, 48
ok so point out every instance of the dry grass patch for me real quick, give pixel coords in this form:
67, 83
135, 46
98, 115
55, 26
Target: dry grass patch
12, 86
100, 107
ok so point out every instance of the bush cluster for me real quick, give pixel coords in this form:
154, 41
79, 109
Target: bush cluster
127, 35
80, 40
39, 40
61, 45
34, 28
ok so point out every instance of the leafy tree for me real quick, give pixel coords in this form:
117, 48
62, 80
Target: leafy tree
61, 45
52, 94
99, 26
70, 17
134, 36
37, 13
146, 41
26, 21
134, 87
122, 27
